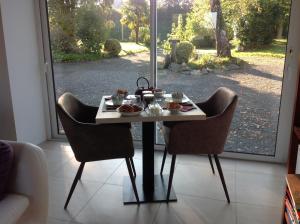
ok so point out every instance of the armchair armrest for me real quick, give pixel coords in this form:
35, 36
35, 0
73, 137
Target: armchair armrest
29, 177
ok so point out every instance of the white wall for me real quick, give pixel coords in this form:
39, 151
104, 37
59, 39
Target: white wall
23, 62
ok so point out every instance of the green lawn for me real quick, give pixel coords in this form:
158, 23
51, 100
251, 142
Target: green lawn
127, 49
276, 49
132, 48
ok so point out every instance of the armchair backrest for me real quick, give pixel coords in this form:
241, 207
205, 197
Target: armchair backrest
206, 136
90, 141
74, 108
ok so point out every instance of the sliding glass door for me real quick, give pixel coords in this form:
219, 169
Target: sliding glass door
97, 47
255, 71
173, 44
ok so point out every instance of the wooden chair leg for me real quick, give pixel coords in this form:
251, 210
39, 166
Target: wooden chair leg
222, 177
79, 177
132, 180
78, 174
171, 176
163, 161
132, 166
211, 163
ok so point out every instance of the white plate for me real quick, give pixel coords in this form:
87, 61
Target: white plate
184, 100
130, 97
175, 111
110, 103
129, 114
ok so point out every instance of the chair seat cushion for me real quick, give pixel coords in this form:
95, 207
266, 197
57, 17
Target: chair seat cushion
12, 207
6, 160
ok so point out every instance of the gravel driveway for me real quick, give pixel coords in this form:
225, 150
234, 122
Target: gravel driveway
258, 85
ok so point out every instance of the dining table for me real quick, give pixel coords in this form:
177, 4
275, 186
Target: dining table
150, 187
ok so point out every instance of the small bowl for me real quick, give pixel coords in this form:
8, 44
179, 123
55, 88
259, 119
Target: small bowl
159, 93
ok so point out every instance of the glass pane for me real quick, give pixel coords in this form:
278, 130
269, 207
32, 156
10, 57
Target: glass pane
97, 48
257, 42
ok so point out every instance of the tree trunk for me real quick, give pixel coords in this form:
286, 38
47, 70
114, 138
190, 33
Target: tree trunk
222, 43
280, 29
137, 35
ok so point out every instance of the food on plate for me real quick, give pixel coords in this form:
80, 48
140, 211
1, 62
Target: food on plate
122, 92
128, 108
174, 106
136, 108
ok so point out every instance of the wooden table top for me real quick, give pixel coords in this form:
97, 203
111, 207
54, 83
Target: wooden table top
105, 117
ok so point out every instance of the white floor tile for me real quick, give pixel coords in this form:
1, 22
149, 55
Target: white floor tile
202, 160
107, 207
117, 176
196, 210
261, 167
255, 188
58, 192
200, 181
56, 221
93, 171
259, 189
249, 214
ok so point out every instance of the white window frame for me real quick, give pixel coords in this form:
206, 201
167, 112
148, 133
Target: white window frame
289, 85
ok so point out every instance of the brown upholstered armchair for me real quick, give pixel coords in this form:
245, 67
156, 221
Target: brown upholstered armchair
94, 142
205, 136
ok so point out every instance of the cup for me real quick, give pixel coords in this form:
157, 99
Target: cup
117, 100
159, 93
177, 97
138, 101
148, 98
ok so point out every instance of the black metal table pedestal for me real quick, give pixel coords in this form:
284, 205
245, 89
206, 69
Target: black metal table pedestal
150, 187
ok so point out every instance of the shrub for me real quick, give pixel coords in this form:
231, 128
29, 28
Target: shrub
205, 42
257, 27
144, 36
91, 28
213, 62
113, 47
184, 52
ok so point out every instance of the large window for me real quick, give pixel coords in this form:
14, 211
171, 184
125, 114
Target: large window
98, 46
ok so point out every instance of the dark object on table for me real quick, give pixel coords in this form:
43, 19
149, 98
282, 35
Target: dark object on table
205, 136
6, 161
94, 142
141, 88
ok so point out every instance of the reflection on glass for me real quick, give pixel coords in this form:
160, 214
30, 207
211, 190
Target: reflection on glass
188, 62
99, 47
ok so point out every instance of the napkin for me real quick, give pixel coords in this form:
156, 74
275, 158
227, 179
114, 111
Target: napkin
187, 108
110, 108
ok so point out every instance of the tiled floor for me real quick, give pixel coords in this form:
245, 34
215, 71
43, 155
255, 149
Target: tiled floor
256, 191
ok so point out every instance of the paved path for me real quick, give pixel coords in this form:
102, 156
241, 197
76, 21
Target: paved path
258, 86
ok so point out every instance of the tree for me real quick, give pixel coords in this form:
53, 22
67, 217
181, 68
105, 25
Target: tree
178, 32
198, 22
92, 29
222, 43
135, 15
184, 5
167, 14
62, 24
284, 15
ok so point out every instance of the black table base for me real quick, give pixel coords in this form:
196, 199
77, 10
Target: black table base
159, 194
150, 187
